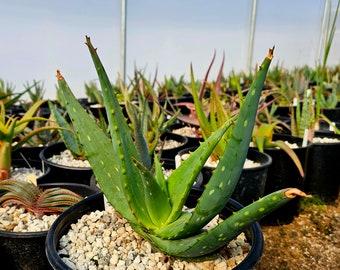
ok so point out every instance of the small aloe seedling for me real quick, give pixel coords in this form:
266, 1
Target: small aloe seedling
154, 205
12, 127
67, 134
37, 201
263, 138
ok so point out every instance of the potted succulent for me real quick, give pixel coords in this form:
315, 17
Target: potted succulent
66, 158
149, 123
33, 146
252, 182
152, 205
287, 169
321, 173
28, 211
326, 84
11, 127
211, 111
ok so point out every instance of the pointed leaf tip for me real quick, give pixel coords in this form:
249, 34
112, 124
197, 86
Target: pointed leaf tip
293, 192
271, 53
59, 76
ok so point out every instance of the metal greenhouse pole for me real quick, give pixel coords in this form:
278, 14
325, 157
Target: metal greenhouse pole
123, 40
251, 36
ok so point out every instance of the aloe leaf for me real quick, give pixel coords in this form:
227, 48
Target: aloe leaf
5, 161
67, 134
181, 180
117, 164
282, 145
29, 135
226, 175
157, 200
105, 168
209, 241
201, 116
22, 190
57, 197
28, 116
15, 99
122, 142
141, 143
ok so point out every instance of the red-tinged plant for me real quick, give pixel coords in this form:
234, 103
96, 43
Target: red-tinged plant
35, 200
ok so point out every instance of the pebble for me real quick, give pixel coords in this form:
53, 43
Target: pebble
213, 163
187, 131
325, 140
65, 158
112, 244
17, 219
168, 144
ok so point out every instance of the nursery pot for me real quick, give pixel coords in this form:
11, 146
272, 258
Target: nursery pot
252, 181
332, 114
322, 172
26, 250
283, 173
192, 140
251, 185
170, 153
28, 152
95, 202
33, 164
62, 173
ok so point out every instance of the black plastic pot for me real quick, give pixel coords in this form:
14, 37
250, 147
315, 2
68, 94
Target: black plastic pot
33, 164
332, 114
322, 172
62, 173
28, 152
172, 152
251, 185
26, 250
283, 173
95, 202
252, 181
192, 141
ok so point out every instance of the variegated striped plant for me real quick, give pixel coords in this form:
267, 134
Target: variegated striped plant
35, 200
154, 205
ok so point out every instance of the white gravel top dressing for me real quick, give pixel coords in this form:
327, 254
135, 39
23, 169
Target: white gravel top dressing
65, 158
168, 144
213, 163
25, 174
17, 219
325, 140
186, 131
103, 240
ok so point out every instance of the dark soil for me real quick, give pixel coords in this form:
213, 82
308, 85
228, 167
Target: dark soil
310, 241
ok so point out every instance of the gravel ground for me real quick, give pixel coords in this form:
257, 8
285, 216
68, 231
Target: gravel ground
311, 241
103, 240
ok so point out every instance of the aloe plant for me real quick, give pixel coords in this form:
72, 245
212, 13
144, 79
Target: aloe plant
36, 91
7, 95
322, 69
147, 117
154, 205
11, 127
93, 93
37, 201
263, 138
67, 133
212, 112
